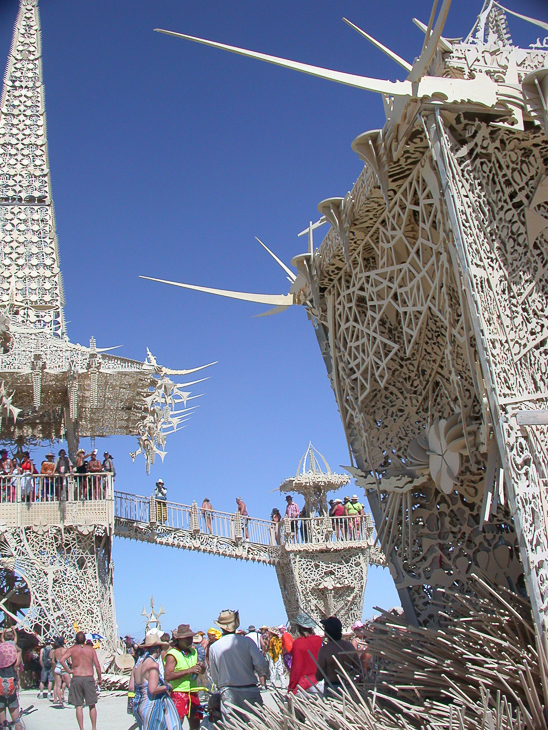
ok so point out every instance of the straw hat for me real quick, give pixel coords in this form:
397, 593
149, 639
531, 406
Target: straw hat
228, 620
8, 655
151, 641
183, 631
125, 662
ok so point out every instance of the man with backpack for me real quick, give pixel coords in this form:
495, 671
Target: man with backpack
46, 674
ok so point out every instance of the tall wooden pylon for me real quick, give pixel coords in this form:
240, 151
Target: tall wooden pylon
58, 535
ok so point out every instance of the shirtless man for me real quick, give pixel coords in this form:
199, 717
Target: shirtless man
82, 686
344, 652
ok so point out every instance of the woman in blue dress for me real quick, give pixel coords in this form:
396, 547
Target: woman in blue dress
152, 705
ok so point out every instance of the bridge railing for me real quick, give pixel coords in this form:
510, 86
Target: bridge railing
234, 526
193, 518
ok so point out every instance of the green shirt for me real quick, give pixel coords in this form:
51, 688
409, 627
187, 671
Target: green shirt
183, 661
353, 508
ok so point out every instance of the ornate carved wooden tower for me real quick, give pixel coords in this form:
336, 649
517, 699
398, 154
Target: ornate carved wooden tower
52, 389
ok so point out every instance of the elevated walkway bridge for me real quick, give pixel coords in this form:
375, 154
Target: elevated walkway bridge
82, 501
233, 535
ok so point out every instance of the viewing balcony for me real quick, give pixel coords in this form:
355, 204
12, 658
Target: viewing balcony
38, 500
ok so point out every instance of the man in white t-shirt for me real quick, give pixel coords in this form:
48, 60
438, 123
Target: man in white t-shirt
254, 635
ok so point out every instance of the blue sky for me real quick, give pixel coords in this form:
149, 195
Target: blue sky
167, 159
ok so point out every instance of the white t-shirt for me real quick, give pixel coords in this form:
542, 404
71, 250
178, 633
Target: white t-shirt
255, 638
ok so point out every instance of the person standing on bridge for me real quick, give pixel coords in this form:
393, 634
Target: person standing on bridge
206, 509
82, 685
160, 495
242, 509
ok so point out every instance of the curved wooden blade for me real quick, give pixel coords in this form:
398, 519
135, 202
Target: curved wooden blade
481, 90
273, 299
292, 276
394, 88
394, 56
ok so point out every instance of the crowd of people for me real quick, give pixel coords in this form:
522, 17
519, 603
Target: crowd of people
49, 483
344, 514
174, 674
61, 668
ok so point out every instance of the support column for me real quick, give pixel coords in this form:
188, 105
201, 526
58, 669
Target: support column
323, 582
69, 574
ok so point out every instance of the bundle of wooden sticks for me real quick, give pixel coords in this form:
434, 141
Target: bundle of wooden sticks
483, 667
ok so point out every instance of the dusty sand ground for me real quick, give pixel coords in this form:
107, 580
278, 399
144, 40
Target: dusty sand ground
111, 713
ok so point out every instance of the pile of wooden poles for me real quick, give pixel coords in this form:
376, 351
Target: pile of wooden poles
484, 667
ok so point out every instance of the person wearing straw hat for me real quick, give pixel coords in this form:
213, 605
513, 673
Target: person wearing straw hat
152, 706
9, 664
47, 469
181, 670
234, 661
304, 654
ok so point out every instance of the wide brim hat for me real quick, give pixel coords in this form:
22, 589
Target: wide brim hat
305, 621
183, 631
124, 662
8, 655
152, 640
228, 620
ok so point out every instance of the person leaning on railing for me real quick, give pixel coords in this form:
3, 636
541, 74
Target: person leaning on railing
81, 471
47, 470
354, 510
6, 470
27, 479
63, 467
338, 512
95, 467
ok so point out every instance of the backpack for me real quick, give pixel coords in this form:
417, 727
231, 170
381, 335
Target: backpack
47, 657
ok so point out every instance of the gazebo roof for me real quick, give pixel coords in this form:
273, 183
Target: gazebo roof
311, 477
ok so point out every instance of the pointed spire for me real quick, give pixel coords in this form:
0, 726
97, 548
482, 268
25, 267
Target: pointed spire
28, 243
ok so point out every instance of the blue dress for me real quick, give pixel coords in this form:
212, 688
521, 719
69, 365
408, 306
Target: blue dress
154, 712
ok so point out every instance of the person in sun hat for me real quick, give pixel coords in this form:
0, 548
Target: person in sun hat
9, 682
354, 510
304, 653
47, 482
181, 670
234, 662
160, 495
152, 706
254, 635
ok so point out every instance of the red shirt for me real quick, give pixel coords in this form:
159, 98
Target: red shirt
338, 511
303, 666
